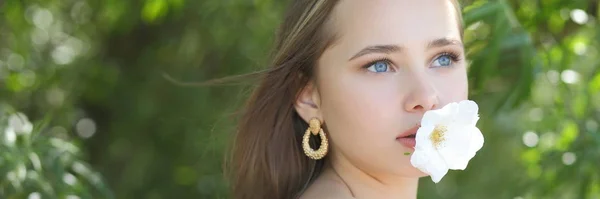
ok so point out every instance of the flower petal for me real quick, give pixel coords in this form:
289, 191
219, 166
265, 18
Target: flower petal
475, 144
422, 138
440, 116
467, 113
455, 148
429, 162
476, 141
432, 118
437, 169
419, 159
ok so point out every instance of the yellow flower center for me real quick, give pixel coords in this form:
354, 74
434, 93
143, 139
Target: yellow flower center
437, 136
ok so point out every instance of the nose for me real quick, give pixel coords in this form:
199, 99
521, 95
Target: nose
422, 97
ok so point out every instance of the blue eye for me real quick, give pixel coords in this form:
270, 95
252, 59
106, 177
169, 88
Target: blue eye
379, 67
443, 60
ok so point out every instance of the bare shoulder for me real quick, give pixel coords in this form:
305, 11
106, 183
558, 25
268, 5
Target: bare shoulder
326, 187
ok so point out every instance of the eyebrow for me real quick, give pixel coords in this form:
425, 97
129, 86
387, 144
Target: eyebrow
387, 49
444, 42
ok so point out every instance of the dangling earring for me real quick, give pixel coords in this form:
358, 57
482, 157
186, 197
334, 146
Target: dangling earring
315, 128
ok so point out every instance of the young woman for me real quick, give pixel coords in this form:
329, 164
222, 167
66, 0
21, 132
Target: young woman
362, 74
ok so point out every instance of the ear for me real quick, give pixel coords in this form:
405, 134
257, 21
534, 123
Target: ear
308, 103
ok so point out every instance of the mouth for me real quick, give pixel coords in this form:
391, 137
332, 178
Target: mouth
407, 138
410, 133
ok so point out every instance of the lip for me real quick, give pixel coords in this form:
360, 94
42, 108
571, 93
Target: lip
411, 131
404, 139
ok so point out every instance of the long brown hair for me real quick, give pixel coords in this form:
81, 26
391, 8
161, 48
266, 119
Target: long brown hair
267, 160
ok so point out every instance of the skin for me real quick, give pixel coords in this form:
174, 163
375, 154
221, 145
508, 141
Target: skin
365, 105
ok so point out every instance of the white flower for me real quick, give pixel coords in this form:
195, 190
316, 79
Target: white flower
447, 139
10, 136
20, 123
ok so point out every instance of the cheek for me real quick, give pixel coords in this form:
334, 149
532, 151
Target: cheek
453, 86
361, 108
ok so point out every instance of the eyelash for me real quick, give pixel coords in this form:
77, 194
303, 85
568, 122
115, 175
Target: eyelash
369, 64
454, 56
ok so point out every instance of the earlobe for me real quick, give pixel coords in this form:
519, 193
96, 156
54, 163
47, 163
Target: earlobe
307, 103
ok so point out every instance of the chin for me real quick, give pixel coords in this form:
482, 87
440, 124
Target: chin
411, 172
417, 173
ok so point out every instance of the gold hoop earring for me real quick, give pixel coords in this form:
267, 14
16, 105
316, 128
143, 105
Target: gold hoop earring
315, 128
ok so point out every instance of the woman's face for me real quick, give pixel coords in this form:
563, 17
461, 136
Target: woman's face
392, 61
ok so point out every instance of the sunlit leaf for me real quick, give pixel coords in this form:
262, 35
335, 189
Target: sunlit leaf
580, 106
556, 23
479, 11
594, 84
569, 133
154, 9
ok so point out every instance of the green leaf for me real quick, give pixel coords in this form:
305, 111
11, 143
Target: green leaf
580, 105
594, 85
474, 13
568, 135
531, 156
154, 9
556, 23
516, 40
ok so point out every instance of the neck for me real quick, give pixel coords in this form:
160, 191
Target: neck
361, 184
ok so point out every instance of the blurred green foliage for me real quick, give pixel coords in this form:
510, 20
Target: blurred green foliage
89, 75
40, 166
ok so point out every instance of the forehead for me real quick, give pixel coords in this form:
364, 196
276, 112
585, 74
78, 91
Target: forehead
359, 23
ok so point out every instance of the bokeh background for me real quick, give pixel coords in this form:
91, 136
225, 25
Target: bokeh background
97, 97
